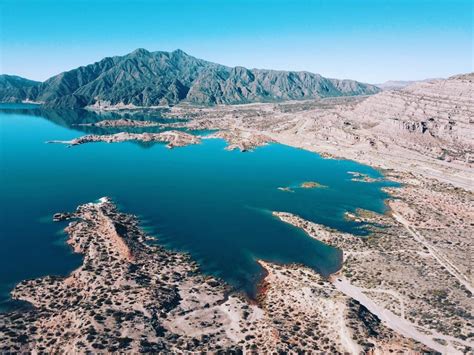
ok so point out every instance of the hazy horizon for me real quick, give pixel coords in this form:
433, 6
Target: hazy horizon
370, 41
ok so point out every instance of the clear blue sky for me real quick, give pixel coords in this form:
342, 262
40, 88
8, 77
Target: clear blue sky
367, 40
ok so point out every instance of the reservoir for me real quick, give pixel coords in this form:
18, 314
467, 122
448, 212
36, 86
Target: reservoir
201, 199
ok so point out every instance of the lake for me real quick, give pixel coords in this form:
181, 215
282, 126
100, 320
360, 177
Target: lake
200, 199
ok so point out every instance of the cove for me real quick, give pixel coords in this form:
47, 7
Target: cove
204, 200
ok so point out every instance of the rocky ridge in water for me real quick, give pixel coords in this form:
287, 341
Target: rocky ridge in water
172, 138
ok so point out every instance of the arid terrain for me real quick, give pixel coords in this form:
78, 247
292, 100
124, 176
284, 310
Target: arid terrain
425, 128
417, 263
405, 288
411, 272
131, 295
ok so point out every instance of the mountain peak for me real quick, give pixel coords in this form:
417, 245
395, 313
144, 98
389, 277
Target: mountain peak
179, 52
140, 51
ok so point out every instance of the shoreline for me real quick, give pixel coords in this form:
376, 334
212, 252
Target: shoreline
404, 180
381, 130
460, 182
162, 302
354, 250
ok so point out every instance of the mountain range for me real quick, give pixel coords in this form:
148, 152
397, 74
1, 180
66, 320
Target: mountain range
144, 78
400, 84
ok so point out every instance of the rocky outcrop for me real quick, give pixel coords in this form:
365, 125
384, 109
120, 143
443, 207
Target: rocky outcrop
242, 140
433, 116
119, 299
144, 78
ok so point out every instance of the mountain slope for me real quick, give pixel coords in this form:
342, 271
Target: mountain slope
14, 88
144, 78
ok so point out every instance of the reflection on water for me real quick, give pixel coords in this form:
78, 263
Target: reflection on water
75, 119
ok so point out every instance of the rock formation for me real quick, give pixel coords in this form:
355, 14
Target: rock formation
424, 128
433, 117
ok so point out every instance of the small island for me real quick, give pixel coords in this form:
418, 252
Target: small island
242, 140
312, 185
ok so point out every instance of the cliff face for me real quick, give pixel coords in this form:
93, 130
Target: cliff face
145, 78
432, 117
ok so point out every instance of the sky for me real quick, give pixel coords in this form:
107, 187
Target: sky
366, 40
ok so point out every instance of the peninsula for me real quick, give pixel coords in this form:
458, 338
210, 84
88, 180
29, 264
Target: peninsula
131, 295
172, 138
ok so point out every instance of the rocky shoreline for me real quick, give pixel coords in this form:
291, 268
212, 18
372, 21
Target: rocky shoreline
131, 295
411, 278
404, 271
242, 140
236, 139
122, 122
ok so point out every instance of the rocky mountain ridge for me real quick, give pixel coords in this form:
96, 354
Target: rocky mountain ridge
144, 78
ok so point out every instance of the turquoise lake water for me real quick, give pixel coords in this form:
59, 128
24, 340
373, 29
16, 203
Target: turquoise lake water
201, 199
